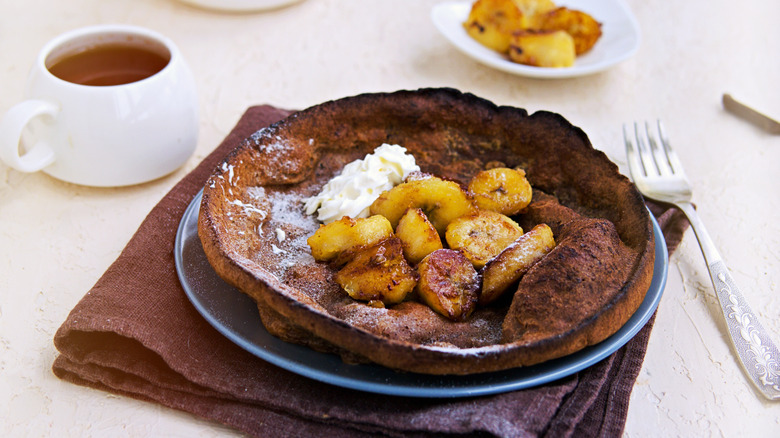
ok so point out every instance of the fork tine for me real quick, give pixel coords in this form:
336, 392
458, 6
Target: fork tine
648, 162
672, 159
659, 154
635, 167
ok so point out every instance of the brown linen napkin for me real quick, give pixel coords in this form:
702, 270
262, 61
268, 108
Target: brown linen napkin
135, 333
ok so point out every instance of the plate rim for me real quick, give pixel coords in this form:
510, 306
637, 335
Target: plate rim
497, 62
240, 5
387, 381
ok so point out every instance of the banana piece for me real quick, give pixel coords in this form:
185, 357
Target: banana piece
492, 22
543, 48
448, 284
532, 10
341, 238
482, 235
583, 28
501, 189
505, 269
418, 236
378, 273
440, 200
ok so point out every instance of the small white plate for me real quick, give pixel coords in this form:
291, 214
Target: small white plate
239, 5
619, 40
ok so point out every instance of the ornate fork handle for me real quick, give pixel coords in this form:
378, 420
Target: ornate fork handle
757, 353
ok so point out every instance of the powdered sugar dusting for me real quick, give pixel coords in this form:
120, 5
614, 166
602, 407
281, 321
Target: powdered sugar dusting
256, 193
288, 208
290, 228
275, 147
230, 169
249, 208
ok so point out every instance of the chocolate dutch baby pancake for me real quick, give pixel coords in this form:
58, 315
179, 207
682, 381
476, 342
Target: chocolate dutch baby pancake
256, 231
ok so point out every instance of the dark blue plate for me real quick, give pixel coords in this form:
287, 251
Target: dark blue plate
235, 315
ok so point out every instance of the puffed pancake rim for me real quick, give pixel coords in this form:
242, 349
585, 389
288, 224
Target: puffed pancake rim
253, 228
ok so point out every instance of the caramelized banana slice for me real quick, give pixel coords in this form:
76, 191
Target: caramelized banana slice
583, 28
506, 268
448, 284
418, 235
346, 235
532, 9
440, 200
501, 189
378, 273
492, 22
543, 48
482, 235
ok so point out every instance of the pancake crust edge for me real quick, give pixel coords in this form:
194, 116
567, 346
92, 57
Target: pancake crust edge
259, 188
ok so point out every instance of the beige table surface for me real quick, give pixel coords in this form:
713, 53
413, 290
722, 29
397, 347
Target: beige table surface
57, 238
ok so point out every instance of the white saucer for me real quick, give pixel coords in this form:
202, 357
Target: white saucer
239, 5
619, 41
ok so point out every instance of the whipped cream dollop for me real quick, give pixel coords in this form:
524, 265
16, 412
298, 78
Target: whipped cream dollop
360, 182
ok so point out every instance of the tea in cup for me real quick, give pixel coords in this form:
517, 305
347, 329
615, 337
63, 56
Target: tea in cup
106, 105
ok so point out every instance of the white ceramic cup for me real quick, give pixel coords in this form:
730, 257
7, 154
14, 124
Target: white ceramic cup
112, 135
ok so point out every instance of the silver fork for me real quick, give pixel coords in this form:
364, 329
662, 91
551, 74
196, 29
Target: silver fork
658, 174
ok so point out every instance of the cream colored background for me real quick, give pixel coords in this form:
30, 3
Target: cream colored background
57, 239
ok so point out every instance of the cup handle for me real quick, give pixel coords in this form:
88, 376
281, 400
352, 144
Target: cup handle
11, 127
